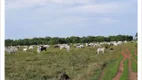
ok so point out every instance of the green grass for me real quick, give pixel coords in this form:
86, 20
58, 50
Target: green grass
125, 74
132, 48
133, 54
111, 70
79, 64
28, 65
134, 65
97, 74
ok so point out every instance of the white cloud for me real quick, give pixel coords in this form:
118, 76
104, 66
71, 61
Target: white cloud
70, 1
24, 3
98, 8
86, 9
66, 20
87, 6
76, 20
29, 3
68, 14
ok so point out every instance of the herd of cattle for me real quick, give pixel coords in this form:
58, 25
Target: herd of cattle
13, 49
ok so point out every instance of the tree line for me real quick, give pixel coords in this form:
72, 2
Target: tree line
72, 39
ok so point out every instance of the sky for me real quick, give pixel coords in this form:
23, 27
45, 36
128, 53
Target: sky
65, 18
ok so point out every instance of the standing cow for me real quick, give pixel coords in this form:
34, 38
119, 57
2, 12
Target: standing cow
66, 46
80, 46
11, 50
41, 48
100, 50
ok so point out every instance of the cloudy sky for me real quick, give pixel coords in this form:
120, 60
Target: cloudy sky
64, 18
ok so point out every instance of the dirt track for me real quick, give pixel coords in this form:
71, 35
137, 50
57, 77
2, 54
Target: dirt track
120, 71
132, 75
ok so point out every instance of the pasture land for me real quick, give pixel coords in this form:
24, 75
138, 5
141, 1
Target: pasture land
125, 73
79, 64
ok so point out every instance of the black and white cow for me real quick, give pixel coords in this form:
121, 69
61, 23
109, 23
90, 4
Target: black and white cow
41, 48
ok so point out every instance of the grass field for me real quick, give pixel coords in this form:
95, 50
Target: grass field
79, 64
125, 73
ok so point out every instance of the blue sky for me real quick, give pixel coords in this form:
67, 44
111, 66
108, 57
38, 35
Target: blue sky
65, 18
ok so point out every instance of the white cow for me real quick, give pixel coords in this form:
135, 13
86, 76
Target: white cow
11, 49
61, 46
91, 44
96, 45
119, 42
87, 44
80, 46
115, 44
125, 41
74, 45
66, 46
31, 47
25, 48
47, 46
100, 50
38, 49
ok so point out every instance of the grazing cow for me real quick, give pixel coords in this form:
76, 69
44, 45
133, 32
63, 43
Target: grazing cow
115, 44
80, 46
47, 46
31, 47
90, 44
56, 46
96, 45
101, 43
25, 48
74, 45
11, 50
87, 44
108, 43
38, 49
62, 46
41, 48
100, 50
119, 42
66, 46
18, 46
125, 41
